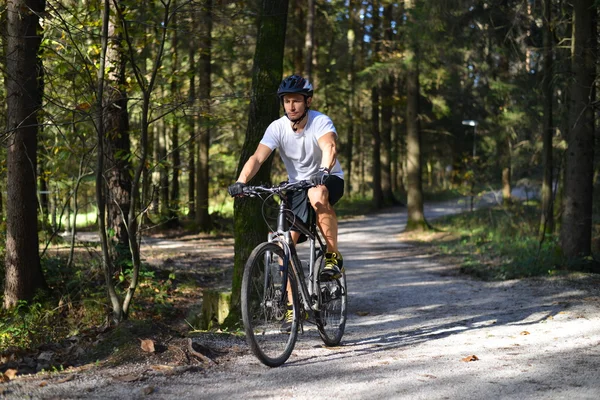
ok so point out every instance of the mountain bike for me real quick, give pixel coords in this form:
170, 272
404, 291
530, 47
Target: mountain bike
275, 277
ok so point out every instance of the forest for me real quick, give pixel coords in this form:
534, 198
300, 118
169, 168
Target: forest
123, 117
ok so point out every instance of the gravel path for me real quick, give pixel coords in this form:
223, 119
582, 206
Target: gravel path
416, 330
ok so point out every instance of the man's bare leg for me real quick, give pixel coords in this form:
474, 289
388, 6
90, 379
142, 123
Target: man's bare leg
326, 216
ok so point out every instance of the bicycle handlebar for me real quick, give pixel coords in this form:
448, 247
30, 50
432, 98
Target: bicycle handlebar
252, 191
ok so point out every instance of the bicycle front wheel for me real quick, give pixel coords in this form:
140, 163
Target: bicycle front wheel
331, 319
264, 301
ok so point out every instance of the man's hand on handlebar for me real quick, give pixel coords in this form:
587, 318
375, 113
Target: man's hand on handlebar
320, 177
237, 189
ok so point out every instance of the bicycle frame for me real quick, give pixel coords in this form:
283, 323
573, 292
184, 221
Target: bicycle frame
285, 220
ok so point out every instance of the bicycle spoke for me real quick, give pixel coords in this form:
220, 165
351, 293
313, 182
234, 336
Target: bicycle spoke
331, 319
264, 306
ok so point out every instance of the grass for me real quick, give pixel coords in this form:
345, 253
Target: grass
502, 243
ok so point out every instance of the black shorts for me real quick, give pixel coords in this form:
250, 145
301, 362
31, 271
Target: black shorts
298, 200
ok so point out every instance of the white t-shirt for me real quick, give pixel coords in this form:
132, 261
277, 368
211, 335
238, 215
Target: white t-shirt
300, 152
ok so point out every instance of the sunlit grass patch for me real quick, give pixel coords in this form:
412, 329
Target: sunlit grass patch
500, 243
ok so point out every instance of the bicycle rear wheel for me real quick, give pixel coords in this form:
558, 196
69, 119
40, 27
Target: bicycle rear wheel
264, 305
331, 319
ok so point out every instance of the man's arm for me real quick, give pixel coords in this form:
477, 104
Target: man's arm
254, 162
327, 143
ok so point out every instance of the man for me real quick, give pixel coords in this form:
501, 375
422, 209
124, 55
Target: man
306, 140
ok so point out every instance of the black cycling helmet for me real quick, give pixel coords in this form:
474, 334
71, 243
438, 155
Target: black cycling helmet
295, 84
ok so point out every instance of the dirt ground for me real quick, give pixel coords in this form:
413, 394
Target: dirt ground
416, 329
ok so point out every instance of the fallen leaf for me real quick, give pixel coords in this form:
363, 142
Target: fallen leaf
10, 373
525, 333
470, 358
3, 378
147, 345
43, 384
362, 313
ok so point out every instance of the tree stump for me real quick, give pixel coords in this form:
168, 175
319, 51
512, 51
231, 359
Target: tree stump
215, 308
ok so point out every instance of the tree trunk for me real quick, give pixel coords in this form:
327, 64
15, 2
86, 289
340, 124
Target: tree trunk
309, 40
146, 85
297, 35
267, 71
400, 144
202, 216
163, 167
387, 107
175, 152
352, 98
154, 138
23, 79
100, 163
376, 156
175, 172
116, 132
547, 220
375, 106
576, 227
192, 125
387, 193
416, 216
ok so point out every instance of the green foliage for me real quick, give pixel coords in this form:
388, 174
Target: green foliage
156, 287
25, 325
77, 302
501, 243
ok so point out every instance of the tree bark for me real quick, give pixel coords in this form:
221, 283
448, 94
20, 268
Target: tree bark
202, 174
352, 98
297, 36
416, 215
24, 76
176, 152
547, 220
387, 107
375, 108
267, 72
576, 227
192, 125
309, 41
116, 132
163, 166
376, 155
100, 163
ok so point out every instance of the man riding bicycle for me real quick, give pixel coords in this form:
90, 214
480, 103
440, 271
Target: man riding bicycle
306, 140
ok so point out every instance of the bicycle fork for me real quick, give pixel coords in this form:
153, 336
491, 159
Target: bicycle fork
307, 291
